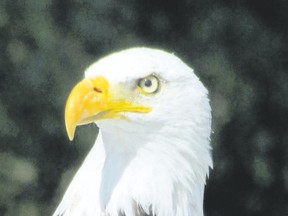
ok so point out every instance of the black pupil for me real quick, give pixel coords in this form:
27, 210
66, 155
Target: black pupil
147, 83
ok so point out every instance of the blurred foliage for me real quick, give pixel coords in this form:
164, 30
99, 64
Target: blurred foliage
238, 48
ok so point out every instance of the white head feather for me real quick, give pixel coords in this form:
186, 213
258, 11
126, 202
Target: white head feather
154, 162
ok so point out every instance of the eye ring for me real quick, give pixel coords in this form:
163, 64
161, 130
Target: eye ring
149, 84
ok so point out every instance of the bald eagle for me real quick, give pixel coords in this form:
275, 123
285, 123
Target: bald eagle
152, 154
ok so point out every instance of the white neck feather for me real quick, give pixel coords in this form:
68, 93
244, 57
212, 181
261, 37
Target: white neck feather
163, 174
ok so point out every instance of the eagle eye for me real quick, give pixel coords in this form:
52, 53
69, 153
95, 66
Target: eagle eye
149, 84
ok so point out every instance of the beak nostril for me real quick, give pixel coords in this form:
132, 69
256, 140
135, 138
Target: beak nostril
97, 90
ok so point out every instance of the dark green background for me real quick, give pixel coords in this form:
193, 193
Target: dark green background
238, 49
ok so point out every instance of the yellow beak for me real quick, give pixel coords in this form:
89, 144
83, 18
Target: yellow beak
90, 100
